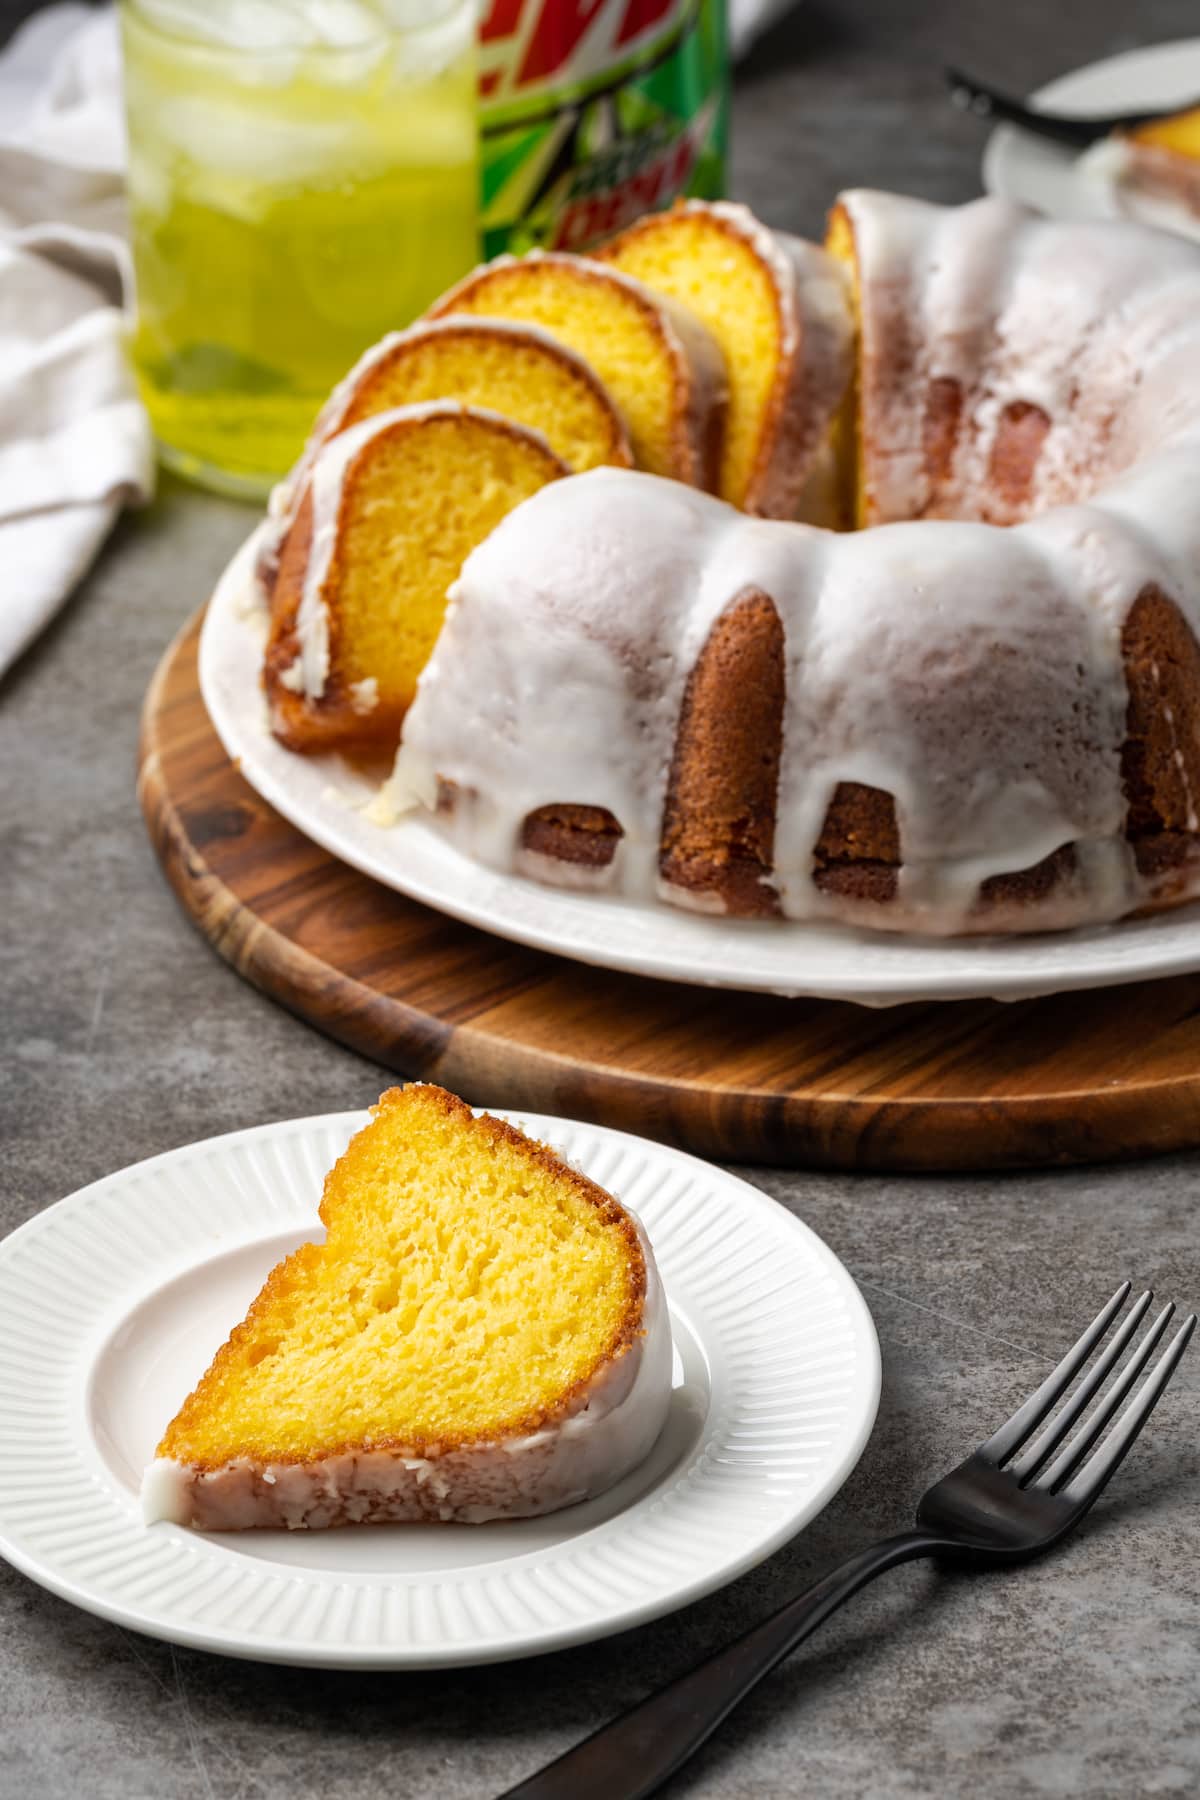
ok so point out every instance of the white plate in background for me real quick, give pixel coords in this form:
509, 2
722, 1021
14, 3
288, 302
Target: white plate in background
1020, 166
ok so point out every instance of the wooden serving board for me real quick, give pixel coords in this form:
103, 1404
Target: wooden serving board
962, 1085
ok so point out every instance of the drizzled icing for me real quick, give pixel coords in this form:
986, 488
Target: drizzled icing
1015, 311
973, 672
610, 1428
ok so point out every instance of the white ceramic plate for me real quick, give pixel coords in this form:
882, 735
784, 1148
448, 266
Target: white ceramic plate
1019, 166
113, 1302
326, 799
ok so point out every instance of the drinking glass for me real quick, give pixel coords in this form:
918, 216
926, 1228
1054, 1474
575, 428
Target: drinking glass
302, 179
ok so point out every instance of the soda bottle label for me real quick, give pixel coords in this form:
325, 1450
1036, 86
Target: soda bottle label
596, 111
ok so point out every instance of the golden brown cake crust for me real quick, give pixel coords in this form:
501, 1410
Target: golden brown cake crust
718, 834
1014, 458
940, 428
280, 1282
1160, 760
586, 836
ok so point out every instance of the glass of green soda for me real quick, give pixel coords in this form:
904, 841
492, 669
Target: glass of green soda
302, 179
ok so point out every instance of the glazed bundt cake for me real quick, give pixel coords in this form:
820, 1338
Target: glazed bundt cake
981, 714
482, 1335
777, 307
663, 369
380, 524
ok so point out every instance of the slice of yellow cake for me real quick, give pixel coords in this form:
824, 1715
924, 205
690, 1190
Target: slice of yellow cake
482, 1335
777, 308
384, 519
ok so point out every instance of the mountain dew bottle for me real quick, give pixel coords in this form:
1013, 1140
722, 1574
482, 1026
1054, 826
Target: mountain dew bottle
596, 111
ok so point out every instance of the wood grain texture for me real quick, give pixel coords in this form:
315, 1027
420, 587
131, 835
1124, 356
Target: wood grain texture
1073, 1078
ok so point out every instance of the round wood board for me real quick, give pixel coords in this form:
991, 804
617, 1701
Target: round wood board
963, 1085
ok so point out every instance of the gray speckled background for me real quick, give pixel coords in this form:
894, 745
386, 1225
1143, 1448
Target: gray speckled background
122, 1035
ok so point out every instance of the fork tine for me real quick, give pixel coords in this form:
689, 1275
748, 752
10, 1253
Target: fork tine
1074, 1453
1048, 1441
1000, 1446
1104, 1462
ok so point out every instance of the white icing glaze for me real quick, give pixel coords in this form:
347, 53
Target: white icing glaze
326, 480
610, 1429
973, 672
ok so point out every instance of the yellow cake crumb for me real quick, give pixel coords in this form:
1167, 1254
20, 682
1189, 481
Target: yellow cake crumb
470, 1286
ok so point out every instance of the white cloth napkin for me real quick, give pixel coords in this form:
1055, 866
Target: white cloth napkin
75, 444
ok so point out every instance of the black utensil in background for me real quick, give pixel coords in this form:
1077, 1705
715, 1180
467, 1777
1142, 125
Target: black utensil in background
988, 103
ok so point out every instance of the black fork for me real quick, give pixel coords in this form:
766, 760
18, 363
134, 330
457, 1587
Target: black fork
1014, 1497
1064, 128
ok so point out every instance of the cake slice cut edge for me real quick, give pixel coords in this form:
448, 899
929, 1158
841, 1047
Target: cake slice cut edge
389, 511
483, 1335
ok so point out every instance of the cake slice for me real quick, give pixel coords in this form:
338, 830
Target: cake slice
482, 1335
382, 523
1154, 170
516, 370
779, 309
662, 367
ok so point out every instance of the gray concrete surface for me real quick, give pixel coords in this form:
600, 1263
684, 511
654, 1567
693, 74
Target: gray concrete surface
123, 1035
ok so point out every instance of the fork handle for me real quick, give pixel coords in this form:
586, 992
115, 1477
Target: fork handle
633, 1756
1063, 128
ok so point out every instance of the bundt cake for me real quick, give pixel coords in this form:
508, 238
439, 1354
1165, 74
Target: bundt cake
663, 369
777, 307
482, 1335
377, 530
981, 714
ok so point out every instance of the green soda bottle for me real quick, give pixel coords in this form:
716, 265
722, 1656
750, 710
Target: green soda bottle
596, 111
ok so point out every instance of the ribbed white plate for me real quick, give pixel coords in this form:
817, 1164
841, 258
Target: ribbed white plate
113, 1302
325, 799
1017, 165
